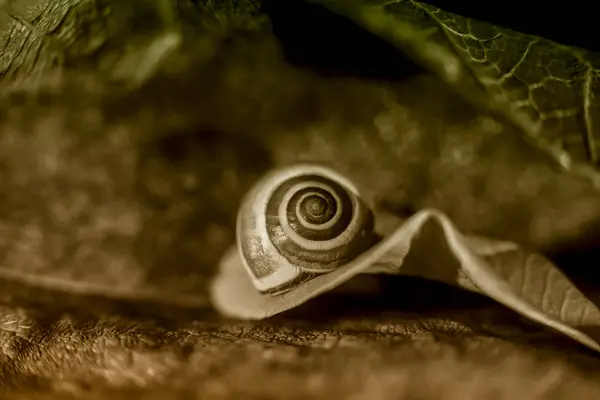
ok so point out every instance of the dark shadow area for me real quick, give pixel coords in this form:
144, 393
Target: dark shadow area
316, 38
581, 265
397, 294
580, 259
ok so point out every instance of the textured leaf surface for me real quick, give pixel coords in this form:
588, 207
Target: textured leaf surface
549, 90
387, 356
42, 36
535, 279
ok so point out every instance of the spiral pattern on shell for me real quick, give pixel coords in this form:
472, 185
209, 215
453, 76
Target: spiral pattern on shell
301, 219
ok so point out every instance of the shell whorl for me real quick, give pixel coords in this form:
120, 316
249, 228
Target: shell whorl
300, 221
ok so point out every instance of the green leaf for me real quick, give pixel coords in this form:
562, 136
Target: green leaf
547, 89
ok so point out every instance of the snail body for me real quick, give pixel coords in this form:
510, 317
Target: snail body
298, 222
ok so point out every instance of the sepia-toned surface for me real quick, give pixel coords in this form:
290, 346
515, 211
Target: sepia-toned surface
111, 189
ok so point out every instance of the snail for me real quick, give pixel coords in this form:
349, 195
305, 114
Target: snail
304, 229
299, 222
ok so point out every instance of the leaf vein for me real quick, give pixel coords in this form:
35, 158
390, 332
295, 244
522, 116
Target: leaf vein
513, 70
588, 132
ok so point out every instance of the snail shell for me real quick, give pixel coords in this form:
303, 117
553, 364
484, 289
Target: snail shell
298, 222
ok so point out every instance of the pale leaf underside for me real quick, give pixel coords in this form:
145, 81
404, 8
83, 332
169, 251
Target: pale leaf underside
527, 283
